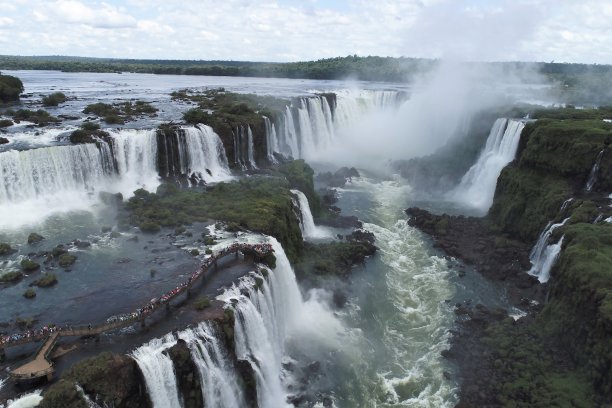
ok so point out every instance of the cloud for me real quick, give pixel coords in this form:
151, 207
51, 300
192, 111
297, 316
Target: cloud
287, 30
6, 22
75, 12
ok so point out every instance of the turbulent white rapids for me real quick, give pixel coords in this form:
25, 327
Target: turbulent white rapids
307, 224
29, 400
543, 255
477, 186
38, 182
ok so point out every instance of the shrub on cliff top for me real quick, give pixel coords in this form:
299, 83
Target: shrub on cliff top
10, 88
54, 99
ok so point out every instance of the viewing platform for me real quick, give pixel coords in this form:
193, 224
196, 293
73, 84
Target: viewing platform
41, 366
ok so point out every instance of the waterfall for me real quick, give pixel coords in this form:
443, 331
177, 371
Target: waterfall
477, 187
238, 142
543, 255
566, 204
36, 183
263, 318
251, 148
307, 224
268, 311
594, 172
158, 371
220, 387
310, 125
135, 152
29, 400
271, 140
205, 154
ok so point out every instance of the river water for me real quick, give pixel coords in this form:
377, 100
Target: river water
400, 305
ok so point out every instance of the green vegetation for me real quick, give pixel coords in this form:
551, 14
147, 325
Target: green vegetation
10, 88
121, 112
54, 99
34, 238
11, 277
58, 251
262, 205
40, 117
5, 249
114, 380
29, 294
66, 260
360, 68
88, 133
46, 281
300, 177
29, 265
194, 252
527, 371
555, 159
201, 303
579, 312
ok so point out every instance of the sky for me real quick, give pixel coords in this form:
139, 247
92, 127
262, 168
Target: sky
292, 30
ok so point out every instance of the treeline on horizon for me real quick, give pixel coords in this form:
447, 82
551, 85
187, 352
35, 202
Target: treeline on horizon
361, 68
589, 84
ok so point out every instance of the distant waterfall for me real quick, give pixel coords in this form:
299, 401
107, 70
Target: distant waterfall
594, 172
220, 387
38, 182
310, 124
477, 186
135, 152
251, 148
543, 255
307, 224
244, 148
158, 371
271, 140
206, 154
47, 171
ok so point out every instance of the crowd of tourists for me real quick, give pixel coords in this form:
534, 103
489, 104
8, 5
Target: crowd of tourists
260, 250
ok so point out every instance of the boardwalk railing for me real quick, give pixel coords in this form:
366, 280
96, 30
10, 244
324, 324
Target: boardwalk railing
257, 250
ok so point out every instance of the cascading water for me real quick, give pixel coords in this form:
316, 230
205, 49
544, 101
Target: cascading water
206, 154
477, 186
307, 224
135, 152
251, 148
594, 172
310, 125
158, 371
266, 316
220, 386
29, 400
39, 182
271, 140
543, 255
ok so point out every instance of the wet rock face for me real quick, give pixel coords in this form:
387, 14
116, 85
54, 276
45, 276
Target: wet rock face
469, 239
110, 379
187, 376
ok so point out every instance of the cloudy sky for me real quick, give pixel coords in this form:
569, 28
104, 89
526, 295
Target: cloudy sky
291, 30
